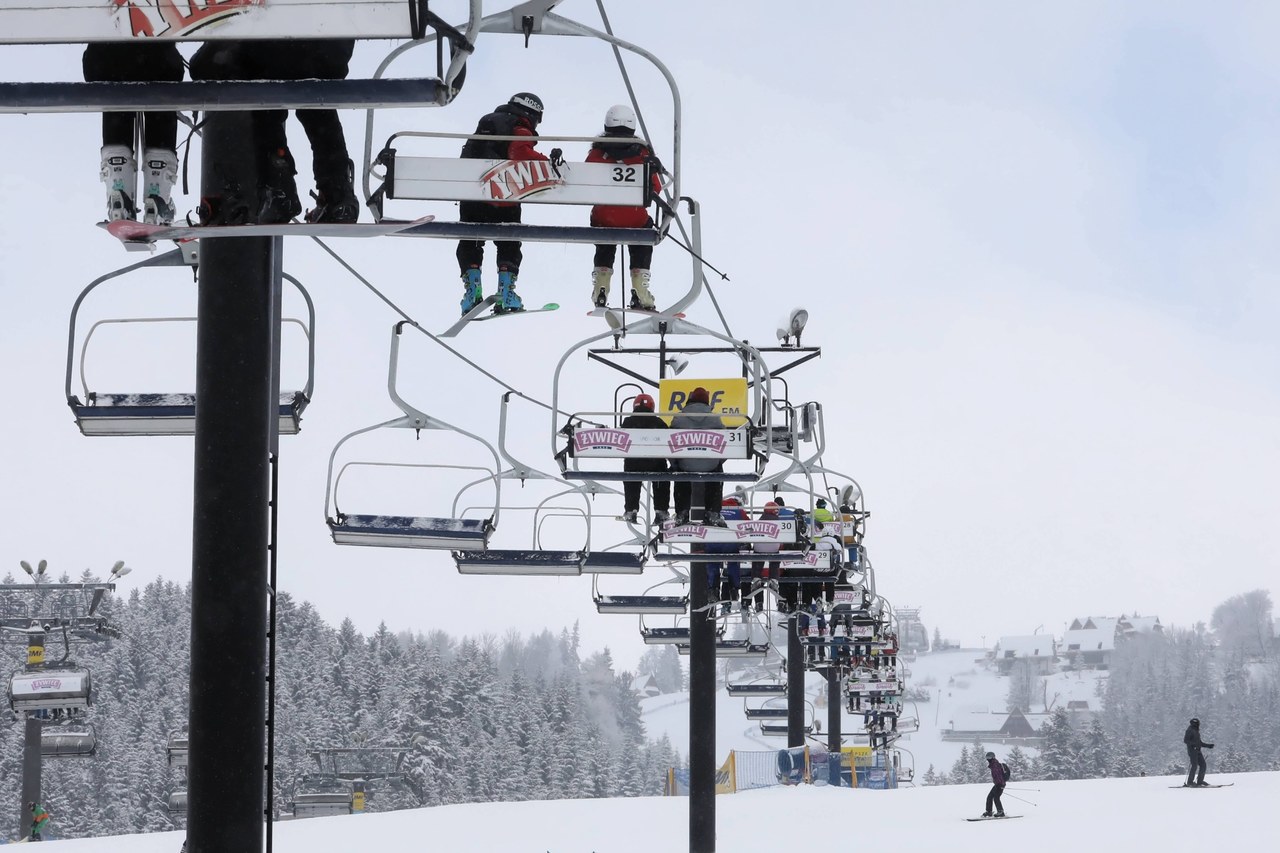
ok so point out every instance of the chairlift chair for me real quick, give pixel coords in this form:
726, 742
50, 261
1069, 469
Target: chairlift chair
642, 605
449, 533
537, 559
321, 804
531, 182
177, 750
66, 688
757, 688
107, 414
70, 739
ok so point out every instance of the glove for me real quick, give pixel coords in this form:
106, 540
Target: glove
557, 157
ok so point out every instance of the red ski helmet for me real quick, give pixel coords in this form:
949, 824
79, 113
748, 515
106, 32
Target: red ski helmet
642, 403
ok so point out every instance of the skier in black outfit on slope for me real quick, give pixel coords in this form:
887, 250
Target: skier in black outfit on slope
1195, 758
997, 787
277, 196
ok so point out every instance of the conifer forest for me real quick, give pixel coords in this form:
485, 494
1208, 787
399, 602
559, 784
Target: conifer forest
484, 719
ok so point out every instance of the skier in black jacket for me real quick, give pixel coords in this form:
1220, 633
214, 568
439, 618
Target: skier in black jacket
1195, 758
998, 782
644, 418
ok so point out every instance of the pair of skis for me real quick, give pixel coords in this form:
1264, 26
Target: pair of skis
993, 817
1223, 785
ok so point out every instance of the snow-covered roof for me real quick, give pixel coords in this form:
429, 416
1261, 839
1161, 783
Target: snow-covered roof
1142, 624
978, 721
1026, 646
1106, 623
646, 685
1089, 640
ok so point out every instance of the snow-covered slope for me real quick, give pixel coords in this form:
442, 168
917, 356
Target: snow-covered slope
1100, 816
957, 681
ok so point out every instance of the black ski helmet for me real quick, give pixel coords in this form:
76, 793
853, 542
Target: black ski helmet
990, 755
1195, 721
528, 105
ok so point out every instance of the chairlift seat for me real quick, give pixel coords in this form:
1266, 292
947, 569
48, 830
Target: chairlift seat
402, 531
863, 688
664, 636
94, 21
162, 414
759, 688
613, 563
669, 476
617, 443
322, 804
178, 802
780, 729
178, 750
510, 562
525, 181
67, 743
740, 649
34, 690
814, 559
766, 713
739, 531
642, 604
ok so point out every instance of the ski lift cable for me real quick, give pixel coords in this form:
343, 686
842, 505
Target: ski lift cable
415, 324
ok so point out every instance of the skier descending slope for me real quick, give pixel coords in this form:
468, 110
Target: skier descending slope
998, 780
1195, 758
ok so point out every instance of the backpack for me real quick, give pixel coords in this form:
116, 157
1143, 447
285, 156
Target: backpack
494, 124
1007, 774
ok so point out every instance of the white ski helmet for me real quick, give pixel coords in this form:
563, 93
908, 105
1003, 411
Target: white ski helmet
619, 117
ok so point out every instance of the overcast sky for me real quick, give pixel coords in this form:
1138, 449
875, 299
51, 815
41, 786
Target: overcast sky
1037, 244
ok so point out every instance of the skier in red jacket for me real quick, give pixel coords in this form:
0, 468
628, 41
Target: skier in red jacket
620, 145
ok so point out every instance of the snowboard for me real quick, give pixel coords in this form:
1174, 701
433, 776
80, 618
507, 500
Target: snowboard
479, 313
1006, 817
129, 231
1223, 785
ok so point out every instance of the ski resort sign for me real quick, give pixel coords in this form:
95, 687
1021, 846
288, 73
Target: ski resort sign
52, 21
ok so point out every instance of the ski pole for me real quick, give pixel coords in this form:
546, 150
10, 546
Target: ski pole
1037, 790
1028, 802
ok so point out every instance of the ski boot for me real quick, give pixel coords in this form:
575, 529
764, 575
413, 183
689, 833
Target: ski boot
336, 199
279, 199
120, 174
631, 516
233, 207
660, 518
160, 174
600, 279
508, 300
473, 292
641, 295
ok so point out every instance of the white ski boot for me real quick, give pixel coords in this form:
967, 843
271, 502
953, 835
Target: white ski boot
120, 174
600, 280
160, 173
641, 295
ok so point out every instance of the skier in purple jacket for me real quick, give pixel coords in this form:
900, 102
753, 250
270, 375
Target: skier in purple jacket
997, 787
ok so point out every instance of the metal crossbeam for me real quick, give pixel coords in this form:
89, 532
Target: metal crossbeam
220, 96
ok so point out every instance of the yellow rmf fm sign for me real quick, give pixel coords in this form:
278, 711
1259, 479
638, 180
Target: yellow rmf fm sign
726, 396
